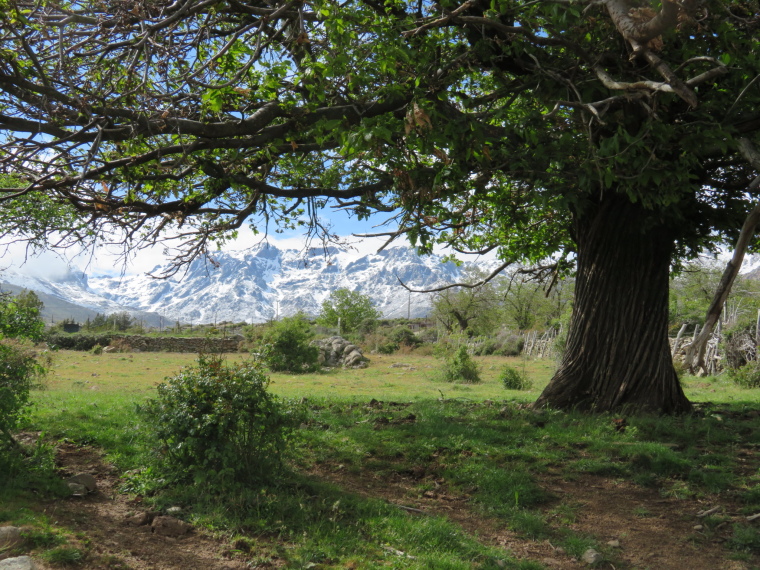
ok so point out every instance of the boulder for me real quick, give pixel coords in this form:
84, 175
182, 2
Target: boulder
337, 351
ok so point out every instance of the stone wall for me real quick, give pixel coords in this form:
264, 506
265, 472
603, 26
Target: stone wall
134, 343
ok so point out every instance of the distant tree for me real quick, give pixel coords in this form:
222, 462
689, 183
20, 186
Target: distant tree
121, 321
471, 310
351, 310
529, 302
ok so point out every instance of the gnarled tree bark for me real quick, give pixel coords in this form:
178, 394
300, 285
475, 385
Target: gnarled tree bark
618, 355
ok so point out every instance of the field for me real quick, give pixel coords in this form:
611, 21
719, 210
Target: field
393, 469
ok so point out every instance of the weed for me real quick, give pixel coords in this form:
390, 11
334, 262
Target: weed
64, 556
745, 538
576, 545
35, 538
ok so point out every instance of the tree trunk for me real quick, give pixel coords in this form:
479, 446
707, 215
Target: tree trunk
695, 354
618, 355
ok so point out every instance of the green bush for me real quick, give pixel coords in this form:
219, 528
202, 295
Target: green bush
286, 346
748, 376
513, 379
19, 373
459, 367
218, 424
404, 335
20, 316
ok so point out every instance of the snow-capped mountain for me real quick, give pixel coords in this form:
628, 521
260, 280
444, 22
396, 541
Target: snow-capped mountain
257, 285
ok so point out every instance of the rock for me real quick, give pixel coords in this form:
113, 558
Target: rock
337, 351
698, 527
169, 526
591, 556
77, 490
614, 543
109, 349
18, 563
174, 511
140, 519
85, 479
10, 536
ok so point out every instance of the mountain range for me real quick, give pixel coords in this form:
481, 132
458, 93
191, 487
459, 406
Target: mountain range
256, 285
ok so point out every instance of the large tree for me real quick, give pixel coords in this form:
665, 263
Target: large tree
348, 310
607, 133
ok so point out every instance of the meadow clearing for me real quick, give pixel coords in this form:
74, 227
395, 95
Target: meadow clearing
390, 468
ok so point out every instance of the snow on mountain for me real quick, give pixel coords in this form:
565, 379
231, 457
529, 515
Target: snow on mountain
265, 282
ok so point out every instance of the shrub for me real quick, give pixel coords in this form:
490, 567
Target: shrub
19, 372
748, 376
459, 367
217, 423
513, 379
286, 346
404, 336
97, 350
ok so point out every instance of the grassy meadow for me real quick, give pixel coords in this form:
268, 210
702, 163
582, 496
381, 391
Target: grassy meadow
335, 506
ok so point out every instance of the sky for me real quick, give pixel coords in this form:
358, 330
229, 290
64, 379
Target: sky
105, 260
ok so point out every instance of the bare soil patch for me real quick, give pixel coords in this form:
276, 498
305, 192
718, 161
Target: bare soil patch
113, 542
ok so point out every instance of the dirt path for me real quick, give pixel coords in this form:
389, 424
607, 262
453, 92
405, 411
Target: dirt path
115, 543
653, 532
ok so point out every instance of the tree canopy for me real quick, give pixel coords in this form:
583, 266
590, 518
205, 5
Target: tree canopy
596, 131
349, 310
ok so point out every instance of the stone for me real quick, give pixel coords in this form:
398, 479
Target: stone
614, 543
337, 351
85, 479
698, 527
591, 556
77, 489
140, 519
170, 526
18, 563
174, 511
10, 536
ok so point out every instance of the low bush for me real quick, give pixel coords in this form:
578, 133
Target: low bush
404, 336
459, 367
513, 379
217, 423
748, 376
286, 348
20, 371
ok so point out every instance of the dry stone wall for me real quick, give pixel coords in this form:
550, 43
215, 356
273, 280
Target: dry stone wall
133, 343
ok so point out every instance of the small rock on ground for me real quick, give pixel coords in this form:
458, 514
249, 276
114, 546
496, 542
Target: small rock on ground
18, 563
591, 556
169, 526
10, 536
85, 479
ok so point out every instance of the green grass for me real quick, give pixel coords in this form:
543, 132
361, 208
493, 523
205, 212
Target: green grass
475, 440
